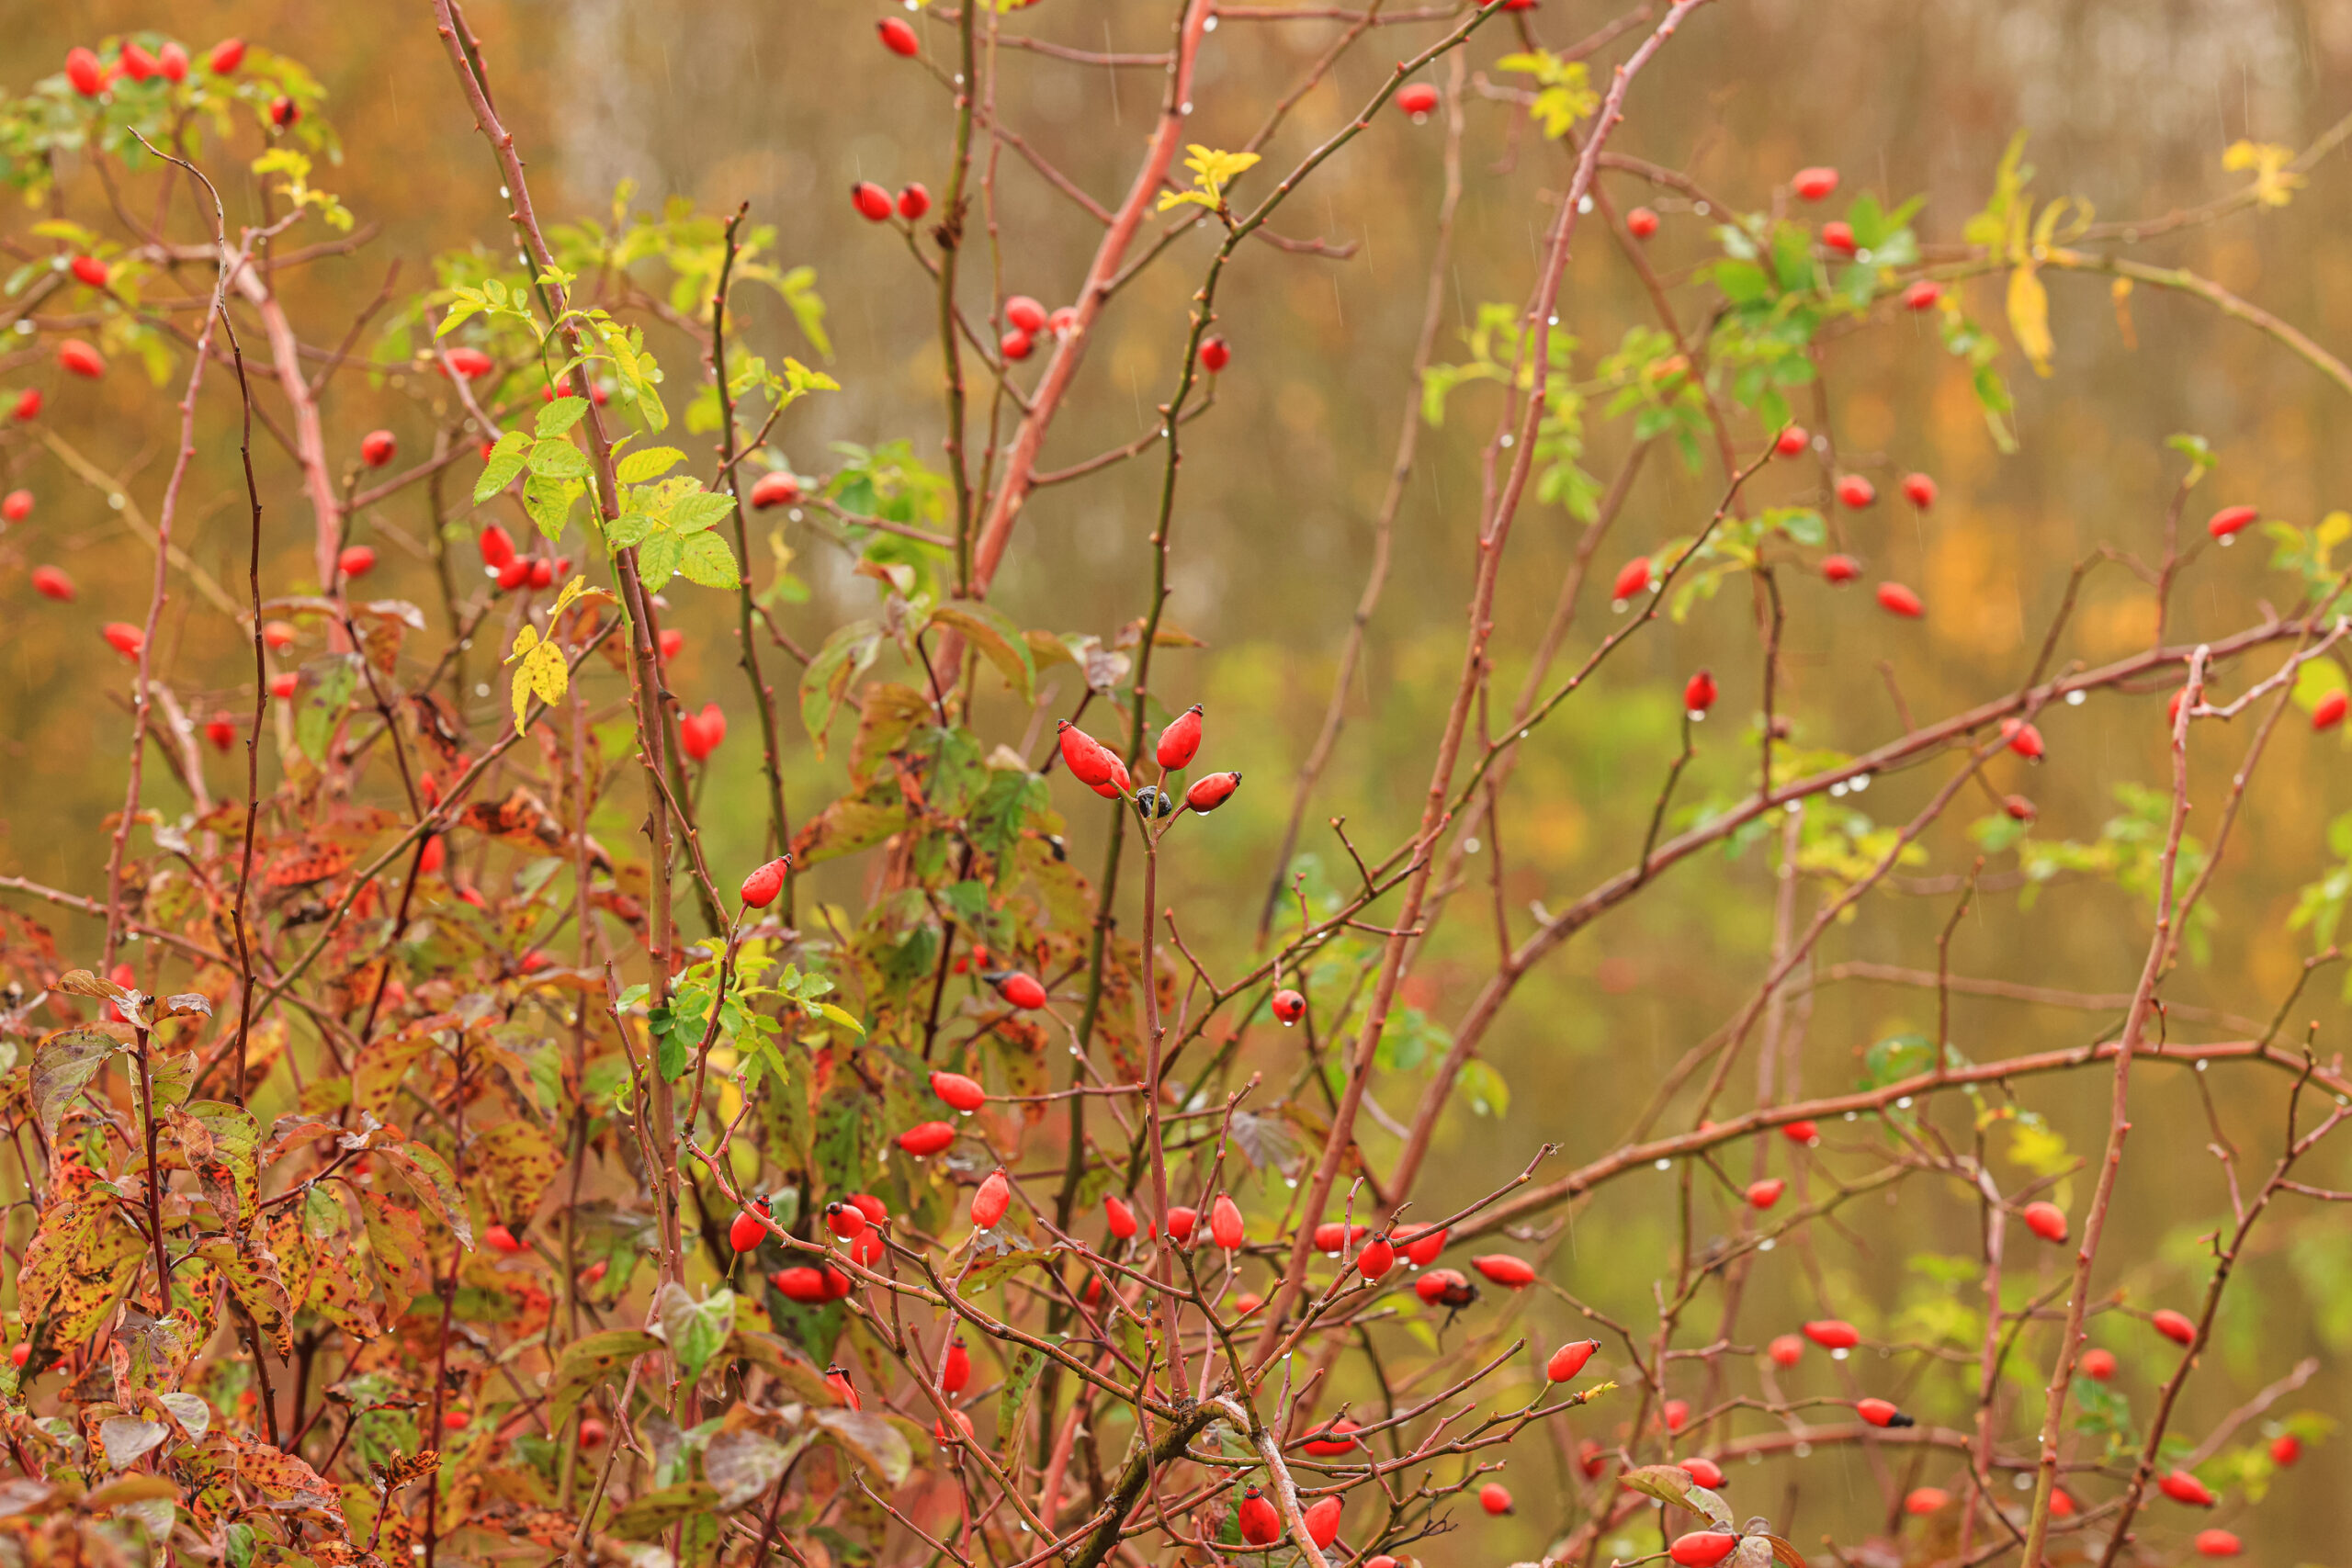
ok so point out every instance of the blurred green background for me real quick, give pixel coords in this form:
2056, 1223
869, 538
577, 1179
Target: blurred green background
2129, 106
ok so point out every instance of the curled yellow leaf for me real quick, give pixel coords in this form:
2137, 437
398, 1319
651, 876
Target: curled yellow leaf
2030, 318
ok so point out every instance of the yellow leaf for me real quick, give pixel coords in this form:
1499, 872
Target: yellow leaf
542, 672
2274, 184
2030, 318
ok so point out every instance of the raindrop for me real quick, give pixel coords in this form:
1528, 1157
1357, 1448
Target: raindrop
1837, 1354
1470, 847
1188, 106
504, 192
25, 327
1584, 204
1666, 1165
2074, 699
481, 688
1209, 26
1793, 806
1701, 208
1862, 783
1802, 1449
2202, 1066
1903, 1104
1767, 1245
1510, 440
1838, 789
115, 501
2023, 1482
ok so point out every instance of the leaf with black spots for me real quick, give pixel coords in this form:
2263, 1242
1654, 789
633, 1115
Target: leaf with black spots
64, 1065
422, 1166
587, 1362
252, 1272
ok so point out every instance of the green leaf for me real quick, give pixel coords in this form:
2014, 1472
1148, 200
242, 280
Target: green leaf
651, 463
561, 415
700, 509
506, 460
694, 1331
549, 503
555, 459
658, 558
707, 559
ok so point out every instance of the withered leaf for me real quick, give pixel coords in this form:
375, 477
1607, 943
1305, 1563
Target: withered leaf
64, 1065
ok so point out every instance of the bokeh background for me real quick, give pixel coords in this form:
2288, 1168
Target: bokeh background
2129, 106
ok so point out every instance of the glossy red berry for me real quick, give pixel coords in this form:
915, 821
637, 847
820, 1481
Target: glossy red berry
1838, 235
468, 362
283, 112
1216, 355
283, 684
1895, 599
671, 643
19, 1353
1090, 762
1512, 1274
1641, 222
1015, 345
515, 574
1882, 1413
872, 203
499, 1238
1446, 1287
1786, 1350
837, 1379
1331, 1441
774, 489
1118, 784
1021, 990
1208, 794
990, 1200
2174, 1327
2226, 523
1495, 1497
456, 1420
1924, 1500
1322, 1520
700, 733
1855, 492
2023, 739
926, 1139
1377, 1258
1703, 1471
84, 72
1841, 569
899, 37
124, 638
1833, 1334
52, 584
90, 270
1225, 1223
227, 55
914, 200
2019, 808
1698, 694
1791, 441
760, 888
1569, 1358
1119, 1219
1765, 1193
1801, 1132
2285, 1449
1920, 490
357, 560
1923, 294
2047, 1220
2097, 1365
172, 60
1813, 184
221, 730
877, 1213
2217, 1543
2183, 1487
2329, 711
1180, 740
497, 547
1180, 1221
963, 1093
1421, 1248
1331, 1237
1632, 577
747, 1232
27, 404
80, 359
1024, 313
1676, 1414
376, 447
1288, 1008
1260, 1526
1418, 100
846, 1221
